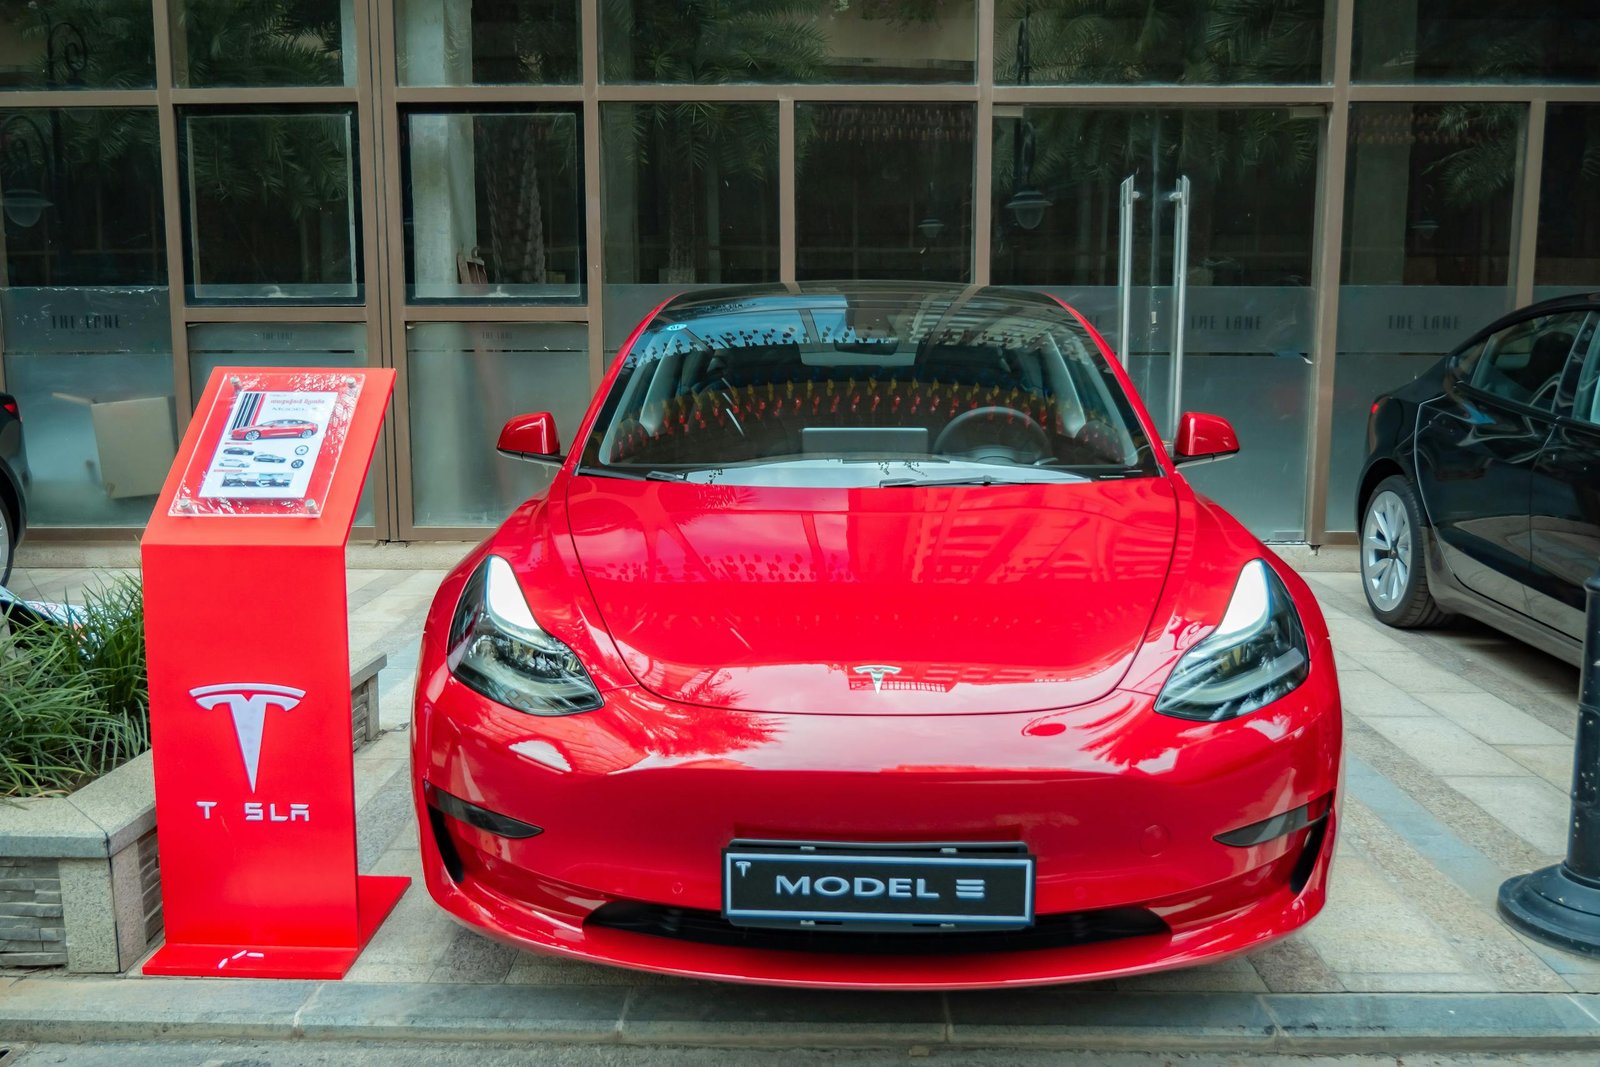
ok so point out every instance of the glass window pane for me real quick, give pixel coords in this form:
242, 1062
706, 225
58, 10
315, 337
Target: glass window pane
92, 369
1524, 362
1568, 259
1427, 244
272, 211
1586, 405
1476, 41
884, 191
494, 206
77, 44
80, 191
279, 344
273, 344
464, 381
487, 42
877, 41
690, 198
1205, 42
277, 42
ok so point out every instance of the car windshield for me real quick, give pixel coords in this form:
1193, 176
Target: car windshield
866, 387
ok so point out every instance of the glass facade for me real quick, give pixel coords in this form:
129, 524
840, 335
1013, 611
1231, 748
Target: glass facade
494, 206
1427, 255
1569, 202
1249, 325
490, 42
466, 380
884, 191
77, 44
1477, 41
1196, 42
225, 42
271, 209
807, 41
1273, 209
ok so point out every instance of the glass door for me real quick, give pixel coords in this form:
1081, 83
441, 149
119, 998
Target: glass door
1185, 237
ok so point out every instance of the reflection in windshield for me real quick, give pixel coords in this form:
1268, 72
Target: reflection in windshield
864, 388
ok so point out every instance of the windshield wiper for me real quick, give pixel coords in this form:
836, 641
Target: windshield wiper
635, 476
972, 479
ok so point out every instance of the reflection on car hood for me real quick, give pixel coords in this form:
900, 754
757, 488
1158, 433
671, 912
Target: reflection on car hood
875, 601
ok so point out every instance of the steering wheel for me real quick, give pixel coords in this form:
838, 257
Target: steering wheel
994, 433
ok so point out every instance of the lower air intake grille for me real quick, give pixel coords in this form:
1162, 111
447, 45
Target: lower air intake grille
709, 927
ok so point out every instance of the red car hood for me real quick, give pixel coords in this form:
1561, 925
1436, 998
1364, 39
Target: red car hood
875, 601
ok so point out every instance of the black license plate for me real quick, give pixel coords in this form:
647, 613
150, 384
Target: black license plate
827, 886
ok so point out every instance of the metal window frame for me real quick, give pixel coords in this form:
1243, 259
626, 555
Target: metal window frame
380, 102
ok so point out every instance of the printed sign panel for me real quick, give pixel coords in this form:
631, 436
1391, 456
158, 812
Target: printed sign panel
270, 441
269, 447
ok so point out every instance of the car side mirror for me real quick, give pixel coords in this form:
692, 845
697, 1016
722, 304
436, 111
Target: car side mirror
1203, 438
532, 437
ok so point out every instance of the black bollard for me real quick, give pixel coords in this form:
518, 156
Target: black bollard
1560, 905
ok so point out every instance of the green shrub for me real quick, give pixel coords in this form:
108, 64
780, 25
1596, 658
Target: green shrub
74, 702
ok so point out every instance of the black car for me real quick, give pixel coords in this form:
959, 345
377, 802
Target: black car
1481, 490
13, 483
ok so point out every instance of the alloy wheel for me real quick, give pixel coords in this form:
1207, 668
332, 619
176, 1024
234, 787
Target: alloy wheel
1386, 547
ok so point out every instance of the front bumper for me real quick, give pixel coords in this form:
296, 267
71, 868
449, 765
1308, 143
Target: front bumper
636, 801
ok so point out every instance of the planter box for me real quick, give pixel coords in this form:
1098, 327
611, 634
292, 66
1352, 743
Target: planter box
80, 881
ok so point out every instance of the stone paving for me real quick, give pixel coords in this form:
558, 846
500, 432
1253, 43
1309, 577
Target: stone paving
1459, 748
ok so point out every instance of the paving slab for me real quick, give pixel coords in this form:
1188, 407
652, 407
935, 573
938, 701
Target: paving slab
1530, 807
1445, 748
1494, 720
704, 1013
1432, 1021
1553, 763
1071, 1019
1368, 695
420, 1011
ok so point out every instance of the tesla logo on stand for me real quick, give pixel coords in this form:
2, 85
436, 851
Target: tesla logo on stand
248, 702
877, 671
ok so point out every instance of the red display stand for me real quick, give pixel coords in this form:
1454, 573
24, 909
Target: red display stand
249, 662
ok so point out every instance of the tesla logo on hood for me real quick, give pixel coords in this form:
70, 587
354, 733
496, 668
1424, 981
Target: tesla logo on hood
248, 701
877, 672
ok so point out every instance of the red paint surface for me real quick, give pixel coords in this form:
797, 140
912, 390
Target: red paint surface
533, 435
1200, 434
1034, 626
276, 896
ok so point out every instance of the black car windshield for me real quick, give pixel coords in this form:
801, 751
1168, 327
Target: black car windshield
866, 386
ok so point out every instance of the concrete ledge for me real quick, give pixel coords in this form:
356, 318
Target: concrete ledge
89, 861
707, 1015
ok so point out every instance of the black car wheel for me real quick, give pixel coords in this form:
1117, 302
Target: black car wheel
8, 543
1393, 568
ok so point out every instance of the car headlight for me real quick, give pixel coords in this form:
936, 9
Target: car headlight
1254, 656
497, 649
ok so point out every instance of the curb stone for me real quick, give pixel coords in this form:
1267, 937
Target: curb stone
108, 1009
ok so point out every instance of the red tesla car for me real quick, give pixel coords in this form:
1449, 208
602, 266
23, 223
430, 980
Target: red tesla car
275, 428
870, 637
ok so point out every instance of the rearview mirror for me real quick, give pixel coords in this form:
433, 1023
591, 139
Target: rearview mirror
531, 437
1202, 438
